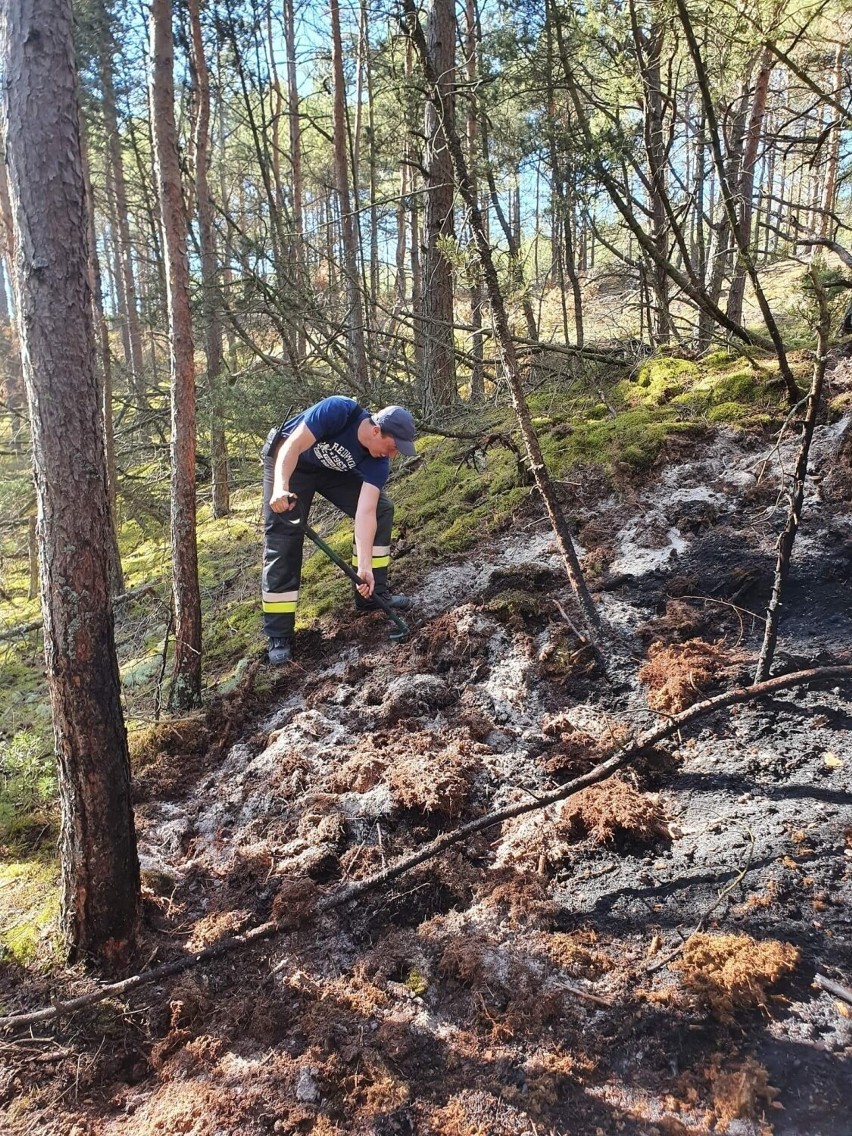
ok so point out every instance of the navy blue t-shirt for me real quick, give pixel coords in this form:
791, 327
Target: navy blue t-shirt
334, 424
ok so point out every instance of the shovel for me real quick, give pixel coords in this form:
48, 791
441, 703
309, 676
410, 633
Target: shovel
401, 627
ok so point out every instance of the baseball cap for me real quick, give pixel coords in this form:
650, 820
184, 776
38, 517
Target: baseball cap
396, 421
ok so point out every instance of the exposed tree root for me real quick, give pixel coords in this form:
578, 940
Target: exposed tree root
300, 908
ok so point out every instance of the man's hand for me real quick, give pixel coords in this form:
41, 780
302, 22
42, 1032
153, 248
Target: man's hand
365, 588
281, 501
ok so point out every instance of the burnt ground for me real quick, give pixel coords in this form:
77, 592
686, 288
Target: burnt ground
637, 959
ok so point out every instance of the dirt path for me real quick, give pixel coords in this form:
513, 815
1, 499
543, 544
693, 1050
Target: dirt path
519, 984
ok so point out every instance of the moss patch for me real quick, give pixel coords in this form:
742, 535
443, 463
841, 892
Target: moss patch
29, 911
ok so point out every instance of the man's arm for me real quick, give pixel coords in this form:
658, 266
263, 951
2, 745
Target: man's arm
285, 462
365, 534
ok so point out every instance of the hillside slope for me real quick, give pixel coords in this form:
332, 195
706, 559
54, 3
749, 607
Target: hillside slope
542, 976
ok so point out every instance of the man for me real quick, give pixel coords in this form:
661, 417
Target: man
340, 450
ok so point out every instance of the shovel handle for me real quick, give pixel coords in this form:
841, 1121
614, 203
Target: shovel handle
380, 602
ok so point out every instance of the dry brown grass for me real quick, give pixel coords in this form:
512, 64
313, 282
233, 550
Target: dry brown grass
605, 813
741, 1092
521, 897
434, 782
729, 972
614, 810
676, 676
681, 621
219, 925
576, 953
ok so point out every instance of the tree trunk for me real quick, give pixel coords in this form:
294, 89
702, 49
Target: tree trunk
511, 240
477, 381
210, 288
744, 252
12, 373
186, 688
439, 388
354, 314
106, 54
102, 331
826, 226
100, 869
754, 134
298, 192
649, 48
414, 247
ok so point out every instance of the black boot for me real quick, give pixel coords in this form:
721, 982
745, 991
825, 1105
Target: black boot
280, 652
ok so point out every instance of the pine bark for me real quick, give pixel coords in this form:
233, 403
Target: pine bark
186, 686
439, 377
100, 869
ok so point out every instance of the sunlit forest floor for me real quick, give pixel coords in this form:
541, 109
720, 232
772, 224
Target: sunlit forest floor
638, 959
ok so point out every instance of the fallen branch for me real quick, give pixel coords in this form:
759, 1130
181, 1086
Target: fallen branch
21, 629
619, 758
834, 988
36, 624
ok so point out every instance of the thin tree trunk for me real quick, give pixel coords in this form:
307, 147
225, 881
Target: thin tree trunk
439, 349
354, 313
102, 332
511, 240
727, 199
298, 191
414, 246
797, 487
100, 869
649, 48
373, 163
13, 377
826, 223
106, 55
746, 182
477, 380
211, 301
186, 688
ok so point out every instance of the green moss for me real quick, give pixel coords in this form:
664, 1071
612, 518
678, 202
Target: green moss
27, 781
740, 386
840, 405
732, 412
718, 360
416, 982
515, 607
634, 437
29, 910
666, 372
